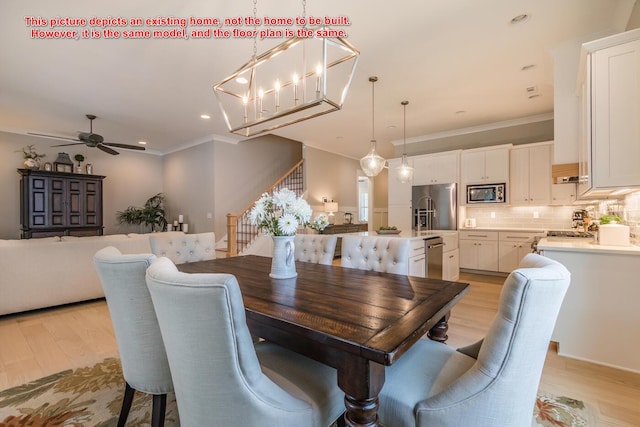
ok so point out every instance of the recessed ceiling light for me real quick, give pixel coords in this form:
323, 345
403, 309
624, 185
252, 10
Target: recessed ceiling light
205, 116
520, 19
142, 142
528, 67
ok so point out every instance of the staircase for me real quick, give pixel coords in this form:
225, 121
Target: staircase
240, 232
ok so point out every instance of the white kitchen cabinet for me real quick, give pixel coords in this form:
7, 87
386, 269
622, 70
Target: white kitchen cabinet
610, 82
479, 250
512, 247
400, 216
451, 265
485, 165
530, 174
417, 261
563, 194
441, 168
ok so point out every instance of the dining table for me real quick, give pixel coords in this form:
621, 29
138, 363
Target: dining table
357, 321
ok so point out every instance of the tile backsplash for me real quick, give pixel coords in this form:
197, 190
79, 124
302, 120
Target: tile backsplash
632, 216
543, 217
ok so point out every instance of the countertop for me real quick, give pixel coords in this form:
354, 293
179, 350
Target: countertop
584, 245
512, 229
412, 234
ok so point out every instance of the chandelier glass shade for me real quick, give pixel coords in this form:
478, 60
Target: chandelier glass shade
372, 164
301, 78
404, 172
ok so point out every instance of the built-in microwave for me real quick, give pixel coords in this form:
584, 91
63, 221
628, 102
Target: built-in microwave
486, 193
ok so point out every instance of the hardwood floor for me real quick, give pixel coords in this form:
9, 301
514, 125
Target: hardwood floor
44, 342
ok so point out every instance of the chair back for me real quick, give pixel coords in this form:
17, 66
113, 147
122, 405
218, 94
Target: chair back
382, 254
315, 248
217, 376
500, 388
142, 354
183, 248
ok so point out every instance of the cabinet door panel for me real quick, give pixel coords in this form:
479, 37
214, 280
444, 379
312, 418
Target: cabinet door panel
497, 165
488, 256
468, 254
472, 167
540, 175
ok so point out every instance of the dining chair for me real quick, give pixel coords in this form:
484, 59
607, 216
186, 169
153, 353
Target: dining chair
144, 361
493, 382
315, 248
221, 377
382, 254
182, 248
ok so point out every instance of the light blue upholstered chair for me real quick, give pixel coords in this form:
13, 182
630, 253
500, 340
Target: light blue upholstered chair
382, 254
144, 361
315, 248
183, 248
493, 382
221, 378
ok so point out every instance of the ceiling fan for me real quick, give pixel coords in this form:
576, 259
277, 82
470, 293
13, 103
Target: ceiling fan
92, 140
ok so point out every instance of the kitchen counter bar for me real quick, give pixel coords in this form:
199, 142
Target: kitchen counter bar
584, 245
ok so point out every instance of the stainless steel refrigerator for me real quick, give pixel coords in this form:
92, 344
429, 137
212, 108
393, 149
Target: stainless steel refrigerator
434, 207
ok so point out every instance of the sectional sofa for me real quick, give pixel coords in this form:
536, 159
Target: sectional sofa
39, 273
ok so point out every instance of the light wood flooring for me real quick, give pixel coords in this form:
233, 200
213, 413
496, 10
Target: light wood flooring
44, 342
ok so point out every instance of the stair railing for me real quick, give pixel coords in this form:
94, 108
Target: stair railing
240, 231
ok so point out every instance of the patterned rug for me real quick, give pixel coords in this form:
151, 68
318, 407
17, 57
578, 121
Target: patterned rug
92, 396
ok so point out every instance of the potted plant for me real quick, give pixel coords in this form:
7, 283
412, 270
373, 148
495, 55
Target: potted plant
79, 158
151, 214
31, 158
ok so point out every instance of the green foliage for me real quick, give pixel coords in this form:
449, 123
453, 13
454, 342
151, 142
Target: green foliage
79, 158
608, 219
391, 227
29, 152
152, 214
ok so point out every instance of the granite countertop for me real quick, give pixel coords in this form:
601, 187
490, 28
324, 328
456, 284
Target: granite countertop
411, 234
584, 245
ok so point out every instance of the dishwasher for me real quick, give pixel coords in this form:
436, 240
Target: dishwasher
433, 247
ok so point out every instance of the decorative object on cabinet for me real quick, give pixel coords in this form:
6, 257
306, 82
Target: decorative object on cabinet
31, 157
79, 158
331, 207
151, 214
267, 92
372, 164
404, 172
348, 217
59, 204
63, 163
48, 166
89, 169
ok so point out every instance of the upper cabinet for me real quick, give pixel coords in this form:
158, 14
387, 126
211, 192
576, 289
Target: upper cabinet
441, 168
530, 179
485, 165
609, 88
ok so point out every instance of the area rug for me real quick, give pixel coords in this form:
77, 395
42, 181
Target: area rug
92, 396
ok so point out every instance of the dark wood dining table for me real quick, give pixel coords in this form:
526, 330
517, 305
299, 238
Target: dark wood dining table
354, 320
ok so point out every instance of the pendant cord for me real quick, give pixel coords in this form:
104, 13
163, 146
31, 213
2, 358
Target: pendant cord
373, 80
255, 27
404, 133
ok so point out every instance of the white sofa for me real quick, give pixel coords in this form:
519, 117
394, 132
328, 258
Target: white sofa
39, 273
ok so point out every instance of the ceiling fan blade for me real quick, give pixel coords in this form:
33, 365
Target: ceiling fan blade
52, 136
66, 145
107, 149
127, 146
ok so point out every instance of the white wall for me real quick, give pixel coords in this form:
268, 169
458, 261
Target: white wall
131, 178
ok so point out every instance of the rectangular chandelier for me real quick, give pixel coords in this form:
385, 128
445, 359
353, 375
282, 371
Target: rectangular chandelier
297, 80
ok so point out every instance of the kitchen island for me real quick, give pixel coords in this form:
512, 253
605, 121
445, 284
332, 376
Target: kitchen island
599, 318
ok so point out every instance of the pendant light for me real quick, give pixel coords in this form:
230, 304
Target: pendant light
404, 172
372, 164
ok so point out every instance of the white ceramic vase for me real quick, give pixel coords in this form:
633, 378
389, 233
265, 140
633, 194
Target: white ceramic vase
283, 265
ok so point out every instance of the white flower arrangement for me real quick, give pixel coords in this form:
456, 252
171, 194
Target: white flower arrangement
320, 223
281, 213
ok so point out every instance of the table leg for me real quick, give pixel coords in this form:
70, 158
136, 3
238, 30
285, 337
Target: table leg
361, 381
439, 331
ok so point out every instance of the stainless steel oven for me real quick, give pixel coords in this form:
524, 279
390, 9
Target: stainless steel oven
486, 193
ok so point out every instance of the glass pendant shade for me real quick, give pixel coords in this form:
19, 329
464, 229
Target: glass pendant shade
404, 172
372, 164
